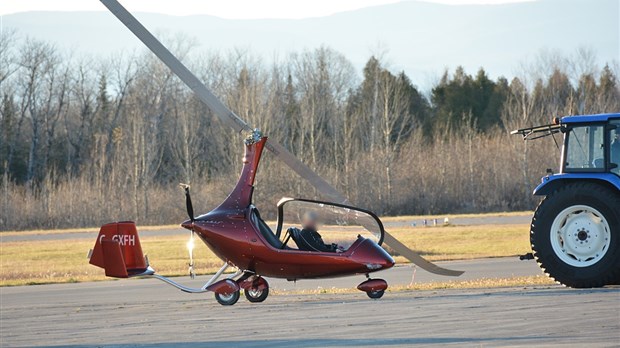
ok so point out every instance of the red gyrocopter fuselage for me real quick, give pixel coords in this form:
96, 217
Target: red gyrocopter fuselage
236, 233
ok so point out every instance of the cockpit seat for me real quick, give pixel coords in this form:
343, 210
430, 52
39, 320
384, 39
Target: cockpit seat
265, 230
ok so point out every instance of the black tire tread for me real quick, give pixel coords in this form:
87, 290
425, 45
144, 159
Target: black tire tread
228, 303
375, 295
261, 298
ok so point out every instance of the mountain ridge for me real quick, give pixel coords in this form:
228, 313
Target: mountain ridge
422, 38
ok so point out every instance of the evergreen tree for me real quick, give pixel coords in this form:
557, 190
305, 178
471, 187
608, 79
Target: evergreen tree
464, 98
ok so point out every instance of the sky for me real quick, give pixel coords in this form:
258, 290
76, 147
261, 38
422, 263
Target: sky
232, 9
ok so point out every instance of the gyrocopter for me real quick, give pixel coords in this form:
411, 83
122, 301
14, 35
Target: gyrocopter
237, 234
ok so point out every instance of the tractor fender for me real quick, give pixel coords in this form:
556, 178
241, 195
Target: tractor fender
551, 183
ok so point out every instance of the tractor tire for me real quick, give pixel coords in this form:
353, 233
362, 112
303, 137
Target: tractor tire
575, 235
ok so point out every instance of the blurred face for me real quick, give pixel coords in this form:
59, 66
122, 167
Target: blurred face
309, 221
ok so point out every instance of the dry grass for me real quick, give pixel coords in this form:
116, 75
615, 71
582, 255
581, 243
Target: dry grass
273, 222
538, 280
60, 261
465, 242
452, 216
81, 230
64, 261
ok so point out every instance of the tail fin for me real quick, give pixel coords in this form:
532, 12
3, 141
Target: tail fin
118, 250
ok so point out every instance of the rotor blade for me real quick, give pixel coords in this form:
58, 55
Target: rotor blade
176, 66
230, 118
305, 172
417, 259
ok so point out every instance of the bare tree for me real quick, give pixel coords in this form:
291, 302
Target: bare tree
108, 139
39, 67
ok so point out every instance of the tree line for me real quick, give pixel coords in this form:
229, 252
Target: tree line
86, 140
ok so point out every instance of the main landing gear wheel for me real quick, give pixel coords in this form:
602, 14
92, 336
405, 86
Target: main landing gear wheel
227, 299
256, 295
255, 288
375, 294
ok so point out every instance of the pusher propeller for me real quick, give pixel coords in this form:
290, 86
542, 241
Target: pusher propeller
190, 244
188, 202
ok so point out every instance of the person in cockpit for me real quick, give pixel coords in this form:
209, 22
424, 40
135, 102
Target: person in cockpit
309, 237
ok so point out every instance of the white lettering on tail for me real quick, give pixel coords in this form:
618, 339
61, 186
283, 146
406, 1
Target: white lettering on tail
122, 239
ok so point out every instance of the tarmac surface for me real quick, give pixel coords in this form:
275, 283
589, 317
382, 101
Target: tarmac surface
146, 312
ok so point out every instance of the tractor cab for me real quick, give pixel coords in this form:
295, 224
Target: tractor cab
591, 147
338, 225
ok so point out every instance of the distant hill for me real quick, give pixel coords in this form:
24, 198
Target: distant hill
421, 38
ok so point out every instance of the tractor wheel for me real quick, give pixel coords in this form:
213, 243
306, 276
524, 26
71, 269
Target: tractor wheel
255, 295
575, 235
227, 299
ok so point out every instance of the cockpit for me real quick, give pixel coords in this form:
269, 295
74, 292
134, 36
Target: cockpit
336, 226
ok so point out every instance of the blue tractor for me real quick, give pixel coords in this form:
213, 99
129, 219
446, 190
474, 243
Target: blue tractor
575, 231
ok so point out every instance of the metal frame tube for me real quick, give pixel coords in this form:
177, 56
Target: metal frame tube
193, 290
179, 286
215, 276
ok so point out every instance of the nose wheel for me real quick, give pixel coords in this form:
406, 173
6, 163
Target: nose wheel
374, 288
377, 294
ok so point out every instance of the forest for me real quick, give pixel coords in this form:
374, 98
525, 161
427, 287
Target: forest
86, 140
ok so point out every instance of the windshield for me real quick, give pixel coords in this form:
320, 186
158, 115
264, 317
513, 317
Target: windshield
585, 149
614, 148
336, 223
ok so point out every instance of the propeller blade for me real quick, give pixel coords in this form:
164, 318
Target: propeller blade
239, 125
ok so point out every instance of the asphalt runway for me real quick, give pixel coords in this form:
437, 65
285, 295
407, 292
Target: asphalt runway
145, 312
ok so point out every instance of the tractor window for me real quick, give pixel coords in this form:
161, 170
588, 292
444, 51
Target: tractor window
614, 148
585, 149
